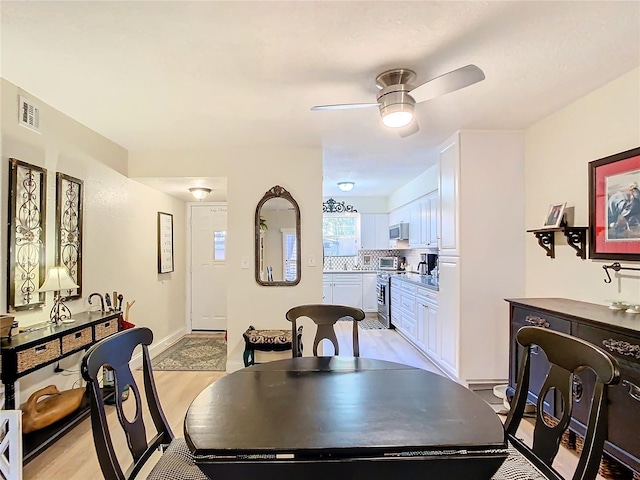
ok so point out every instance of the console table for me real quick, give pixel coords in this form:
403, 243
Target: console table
616, 332
29, 351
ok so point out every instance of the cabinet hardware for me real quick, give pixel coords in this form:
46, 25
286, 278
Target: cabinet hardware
634, 390
537, 321
622, 347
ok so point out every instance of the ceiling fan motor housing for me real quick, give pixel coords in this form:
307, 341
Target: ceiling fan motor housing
394, 88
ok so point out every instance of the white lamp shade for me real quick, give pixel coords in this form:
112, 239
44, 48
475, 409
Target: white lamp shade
57, 279
200, 193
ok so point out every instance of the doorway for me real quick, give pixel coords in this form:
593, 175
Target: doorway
208, 232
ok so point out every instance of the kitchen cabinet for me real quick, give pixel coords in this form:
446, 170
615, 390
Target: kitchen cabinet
427, 334
423, 229
374, 231
481, 183
355, 288
369, 294
616, 332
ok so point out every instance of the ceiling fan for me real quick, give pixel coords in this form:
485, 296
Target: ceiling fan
397, 96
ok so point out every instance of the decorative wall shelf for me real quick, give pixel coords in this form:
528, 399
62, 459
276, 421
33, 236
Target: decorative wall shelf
576, 238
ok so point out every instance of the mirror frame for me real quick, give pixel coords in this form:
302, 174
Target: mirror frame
277, 192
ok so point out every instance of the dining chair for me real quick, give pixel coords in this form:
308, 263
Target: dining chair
115, 353
325, 317
566, 355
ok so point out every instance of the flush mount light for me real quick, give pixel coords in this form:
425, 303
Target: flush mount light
346, 186
200, 192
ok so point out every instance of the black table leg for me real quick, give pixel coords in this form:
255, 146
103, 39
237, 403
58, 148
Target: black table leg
9, 396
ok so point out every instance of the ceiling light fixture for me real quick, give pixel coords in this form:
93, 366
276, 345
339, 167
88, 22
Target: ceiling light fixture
345, 186
200, 193
396, 105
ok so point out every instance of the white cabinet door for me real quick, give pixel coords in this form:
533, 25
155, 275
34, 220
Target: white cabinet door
432, 333
449, 312
381, 233
415, 224
433, 217
327, 293
422, 315
369, 295
348, 293
448, 190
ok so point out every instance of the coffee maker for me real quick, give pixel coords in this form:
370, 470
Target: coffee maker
422, 266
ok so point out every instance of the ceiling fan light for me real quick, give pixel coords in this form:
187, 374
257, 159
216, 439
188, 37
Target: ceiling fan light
397, 119
200, 193
345, 186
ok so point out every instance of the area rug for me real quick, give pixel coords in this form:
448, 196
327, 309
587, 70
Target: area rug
194, 352
367, 323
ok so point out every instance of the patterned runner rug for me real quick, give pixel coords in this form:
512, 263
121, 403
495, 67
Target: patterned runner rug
367, 323
194, 352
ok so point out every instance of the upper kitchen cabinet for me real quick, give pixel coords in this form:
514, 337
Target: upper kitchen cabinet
374, 231
482, 250
423, 225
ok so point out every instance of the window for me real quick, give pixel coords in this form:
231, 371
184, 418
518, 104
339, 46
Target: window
219, 245
340, 234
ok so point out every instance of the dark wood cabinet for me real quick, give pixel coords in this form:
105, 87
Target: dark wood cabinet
613, 330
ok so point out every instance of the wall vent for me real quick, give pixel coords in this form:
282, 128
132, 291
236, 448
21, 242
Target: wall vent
29, 115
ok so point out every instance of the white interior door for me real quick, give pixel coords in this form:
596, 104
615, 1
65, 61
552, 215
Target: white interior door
208, 267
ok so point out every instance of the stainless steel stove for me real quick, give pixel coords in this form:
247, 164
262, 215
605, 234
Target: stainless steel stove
383, 284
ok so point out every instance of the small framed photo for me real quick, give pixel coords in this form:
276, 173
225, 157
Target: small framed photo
165, 242
554, 215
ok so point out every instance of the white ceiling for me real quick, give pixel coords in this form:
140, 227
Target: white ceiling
190, 75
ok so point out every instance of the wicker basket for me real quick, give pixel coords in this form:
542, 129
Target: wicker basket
76, 340
39, 355
105, 329
610, 468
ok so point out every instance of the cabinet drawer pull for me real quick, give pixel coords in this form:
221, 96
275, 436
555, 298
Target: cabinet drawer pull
622, 347
537, 321
40, 348
634, 390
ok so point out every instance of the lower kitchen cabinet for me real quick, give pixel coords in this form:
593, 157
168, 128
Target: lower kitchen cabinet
357, 289
616, 332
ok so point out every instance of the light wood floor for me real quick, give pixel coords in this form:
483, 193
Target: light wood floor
73, 457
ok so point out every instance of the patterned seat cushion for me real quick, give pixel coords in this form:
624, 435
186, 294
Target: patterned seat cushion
517, 467
269, 337
176, 463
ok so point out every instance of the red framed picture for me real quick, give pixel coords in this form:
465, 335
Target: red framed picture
614, 206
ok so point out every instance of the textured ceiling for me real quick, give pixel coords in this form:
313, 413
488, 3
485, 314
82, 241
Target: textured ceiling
189, 75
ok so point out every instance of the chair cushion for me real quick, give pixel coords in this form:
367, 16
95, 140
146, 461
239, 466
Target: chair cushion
270, 337
176, 463
517, 467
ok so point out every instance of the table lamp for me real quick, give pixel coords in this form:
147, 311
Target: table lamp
58, 279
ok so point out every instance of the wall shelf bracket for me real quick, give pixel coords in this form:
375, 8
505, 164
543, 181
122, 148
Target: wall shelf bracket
546, 240
577, 239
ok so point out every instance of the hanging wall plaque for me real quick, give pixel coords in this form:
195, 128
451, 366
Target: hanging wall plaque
26, 245
69, 192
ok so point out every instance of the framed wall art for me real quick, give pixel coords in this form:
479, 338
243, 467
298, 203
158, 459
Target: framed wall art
69, 191
26, 243
165, 242
614, 206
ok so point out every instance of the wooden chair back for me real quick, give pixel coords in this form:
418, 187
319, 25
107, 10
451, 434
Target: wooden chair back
325, 317
115, 352
566, 355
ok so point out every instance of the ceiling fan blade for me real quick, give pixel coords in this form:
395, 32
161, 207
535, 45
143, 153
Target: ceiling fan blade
447, 83
344, 106
409, 129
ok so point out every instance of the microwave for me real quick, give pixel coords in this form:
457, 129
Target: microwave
399, 232
388, 263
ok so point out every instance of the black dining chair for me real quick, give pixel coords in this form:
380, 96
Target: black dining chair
115, 353
325, 317
566, 355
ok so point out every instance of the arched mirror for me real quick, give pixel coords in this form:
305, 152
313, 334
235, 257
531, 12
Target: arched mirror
277, 232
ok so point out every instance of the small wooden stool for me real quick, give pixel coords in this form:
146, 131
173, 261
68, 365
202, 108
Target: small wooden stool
267, 341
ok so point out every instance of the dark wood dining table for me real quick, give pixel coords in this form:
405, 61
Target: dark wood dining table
310, 417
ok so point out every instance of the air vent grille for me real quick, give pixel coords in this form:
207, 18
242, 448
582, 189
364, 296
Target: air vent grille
29, 115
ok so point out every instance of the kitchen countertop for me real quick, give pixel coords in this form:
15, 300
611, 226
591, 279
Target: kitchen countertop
348, 271
423, 280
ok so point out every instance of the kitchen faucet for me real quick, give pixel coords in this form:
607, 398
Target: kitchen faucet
101, 300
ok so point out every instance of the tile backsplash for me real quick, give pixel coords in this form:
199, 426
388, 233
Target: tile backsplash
365, 260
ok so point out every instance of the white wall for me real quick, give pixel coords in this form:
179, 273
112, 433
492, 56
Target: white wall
425, 183
557, 152
250, 173
119, 247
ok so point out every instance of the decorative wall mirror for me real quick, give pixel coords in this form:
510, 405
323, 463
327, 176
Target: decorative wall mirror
277, 234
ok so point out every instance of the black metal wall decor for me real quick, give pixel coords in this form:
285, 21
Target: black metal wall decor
331, 206
69, 192
26, 245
